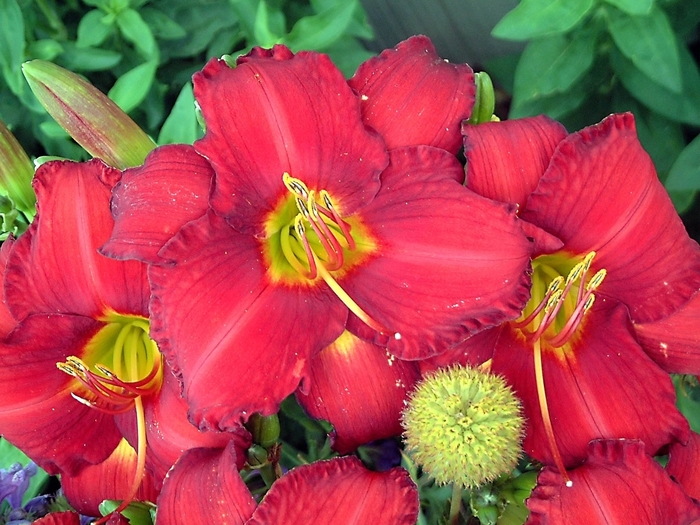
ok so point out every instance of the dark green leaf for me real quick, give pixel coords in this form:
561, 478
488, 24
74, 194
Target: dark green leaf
92, 29
201, 26
633, 7
136, 31
538, 18
321, 30
162, 25
181, 125
553, 64
682, 200
685, 172
648, 41
682, 108
12, 44
87, 59
132, 87
347, 53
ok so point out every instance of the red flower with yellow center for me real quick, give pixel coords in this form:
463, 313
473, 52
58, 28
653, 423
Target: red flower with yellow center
612, 255
314, 226
78, 369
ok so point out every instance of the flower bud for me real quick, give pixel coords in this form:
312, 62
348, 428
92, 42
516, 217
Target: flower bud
16, 173
265, 430
88, 115
463, 426
485, 102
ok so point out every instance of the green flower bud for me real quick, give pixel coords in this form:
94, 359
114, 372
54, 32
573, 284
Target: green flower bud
463, 426
88, 115
265, 430
16, 173
485, 102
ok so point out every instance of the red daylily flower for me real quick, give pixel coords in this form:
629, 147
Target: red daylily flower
338, 491
618, 484
315, 228
79, 312
603, 226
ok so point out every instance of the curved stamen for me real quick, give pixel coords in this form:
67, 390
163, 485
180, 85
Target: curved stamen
313, 268
553, 287
344, 226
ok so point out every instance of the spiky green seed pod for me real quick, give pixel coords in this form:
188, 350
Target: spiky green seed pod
463, 426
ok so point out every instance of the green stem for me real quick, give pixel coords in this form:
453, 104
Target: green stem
455, 504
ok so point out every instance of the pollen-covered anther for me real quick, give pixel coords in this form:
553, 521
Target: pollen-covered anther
564, 305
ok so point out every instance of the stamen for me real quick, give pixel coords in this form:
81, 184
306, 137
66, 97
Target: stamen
287, 249
140, 461
313, 268
344, 226
552, 288
296, 186
544, 411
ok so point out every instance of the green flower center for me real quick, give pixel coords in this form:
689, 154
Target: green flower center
121, 362
562, 293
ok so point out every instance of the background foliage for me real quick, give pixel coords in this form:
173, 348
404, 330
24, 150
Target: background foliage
586, 59
143, 53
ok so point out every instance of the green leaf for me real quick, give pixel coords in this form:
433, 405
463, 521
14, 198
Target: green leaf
87, 59
12, 44
181, 126
633, 7
92, 30
347, 54
45, 49
262, 31
321, 30
685, 172
682, 200
136, 31
649, 42
553, 64
681, 108
132, 87
162, 25
538, 18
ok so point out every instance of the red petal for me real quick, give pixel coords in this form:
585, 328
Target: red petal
170, 434
450, 263
471, 352
505, 160
37, 412
277, 113
111, 479
674, 342
618, 483
360, 389
59, 518
55, 266
240, 342
411, 96
604, 386
683, 465
7, 322
601, 193
204, 487
152, 202
339, 491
